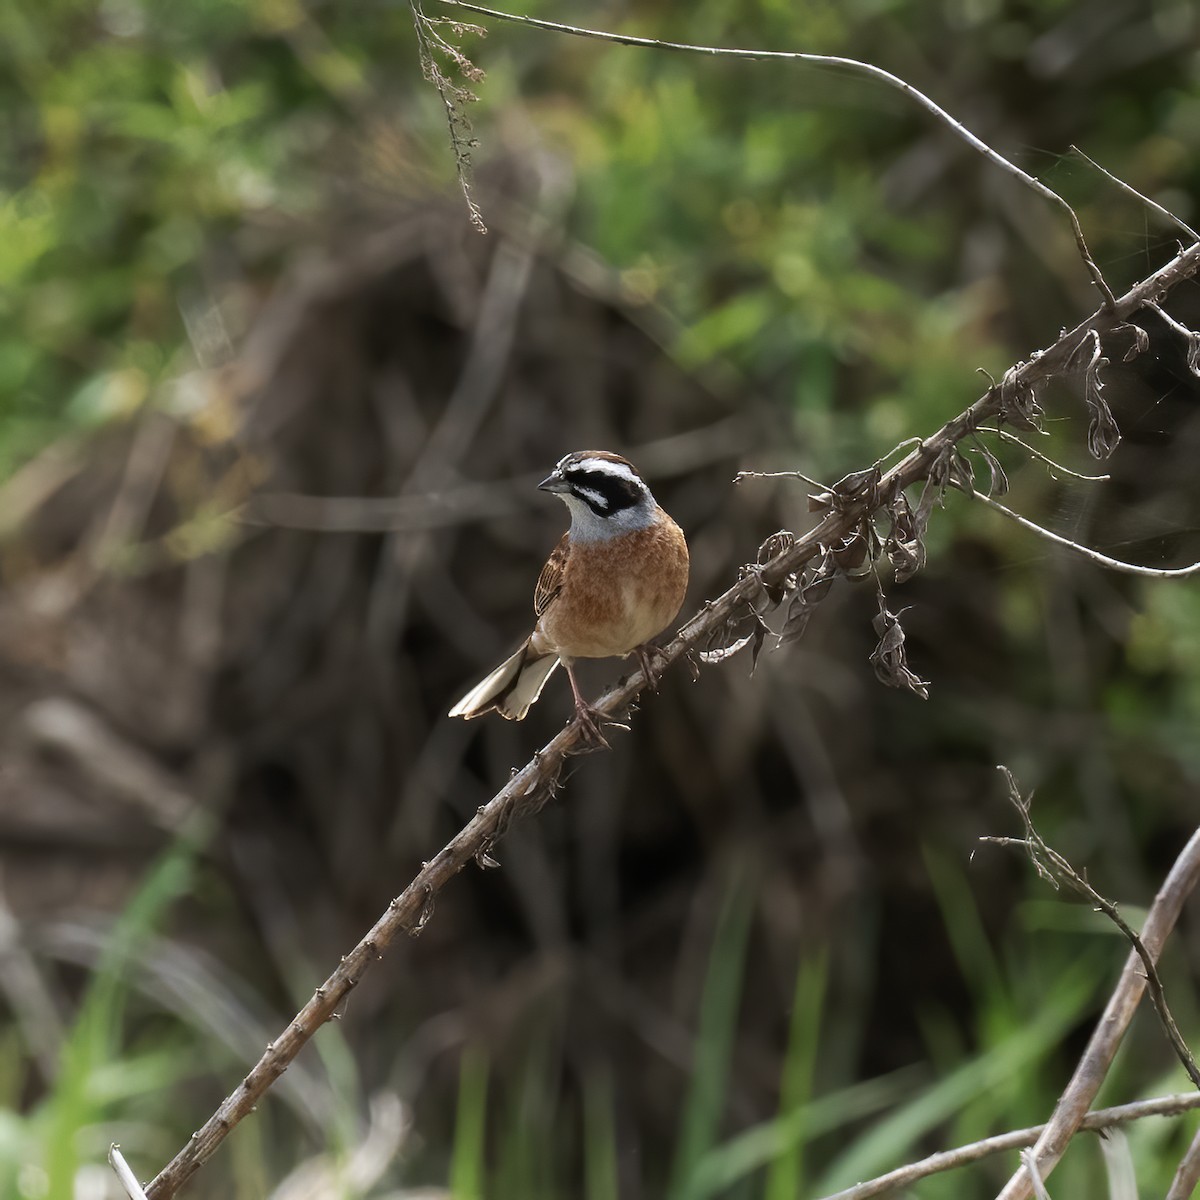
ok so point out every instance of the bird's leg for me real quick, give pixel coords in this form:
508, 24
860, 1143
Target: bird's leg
647, 652
588, 717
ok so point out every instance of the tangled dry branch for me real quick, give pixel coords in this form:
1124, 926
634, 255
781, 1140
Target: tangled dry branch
1093, 1067
1057, 871
791, 574
1140, 974
1016, 1139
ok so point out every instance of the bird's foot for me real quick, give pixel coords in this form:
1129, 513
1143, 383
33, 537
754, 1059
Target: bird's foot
590, 720
650, 656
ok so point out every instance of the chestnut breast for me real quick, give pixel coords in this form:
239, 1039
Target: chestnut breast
619, 593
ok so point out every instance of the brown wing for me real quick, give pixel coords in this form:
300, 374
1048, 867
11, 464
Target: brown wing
550, 581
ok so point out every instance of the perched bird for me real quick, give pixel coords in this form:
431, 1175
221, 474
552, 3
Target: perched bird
614, 581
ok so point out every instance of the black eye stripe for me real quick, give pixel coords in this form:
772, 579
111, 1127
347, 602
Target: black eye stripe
613, 492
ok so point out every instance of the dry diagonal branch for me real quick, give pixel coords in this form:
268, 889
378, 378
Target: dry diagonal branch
1187, 1175
531, 786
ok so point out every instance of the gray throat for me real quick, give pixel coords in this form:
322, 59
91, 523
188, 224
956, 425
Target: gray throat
586, 526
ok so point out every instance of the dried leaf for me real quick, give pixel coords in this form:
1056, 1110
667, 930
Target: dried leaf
721, 653
959, 470
775, 545
808, 595
1019, 404
756, 636
851, 489
760, 635
800, 612
907, 558
423, 916
889, 658
858, 485
1086, 352
1193, 354
1103, 434
905, 543
851, 554
930, 495
1140, 343
999, 484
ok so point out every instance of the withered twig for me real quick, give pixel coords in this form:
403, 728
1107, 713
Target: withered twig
1113, 564
533, 784
825, 60
961, 1156
781, 475
1165, 213
1006, 436
1053, 867
1092, 1068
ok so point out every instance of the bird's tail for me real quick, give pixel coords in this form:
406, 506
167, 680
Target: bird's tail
511, 688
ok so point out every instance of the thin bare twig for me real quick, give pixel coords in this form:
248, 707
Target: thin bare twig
961, 1156
825, 60
781, 475
1169, 320
1114, 564
1053, 867
531, 786
1092, 1068
1165, 213
1190, 336
1005, 435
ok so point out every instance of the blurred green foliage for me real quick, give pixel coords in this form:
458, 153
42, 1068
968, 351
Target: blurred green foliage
814, 228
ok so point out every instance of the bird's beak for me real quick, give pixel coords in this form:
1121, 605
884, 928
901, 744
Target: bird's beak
554, 482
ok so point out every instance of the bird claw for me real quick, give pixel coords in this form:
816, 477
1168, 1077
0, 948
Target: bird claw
589, 721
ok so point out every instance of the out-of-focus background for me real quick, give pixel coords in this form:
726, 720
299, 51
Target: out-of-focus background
271, 413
